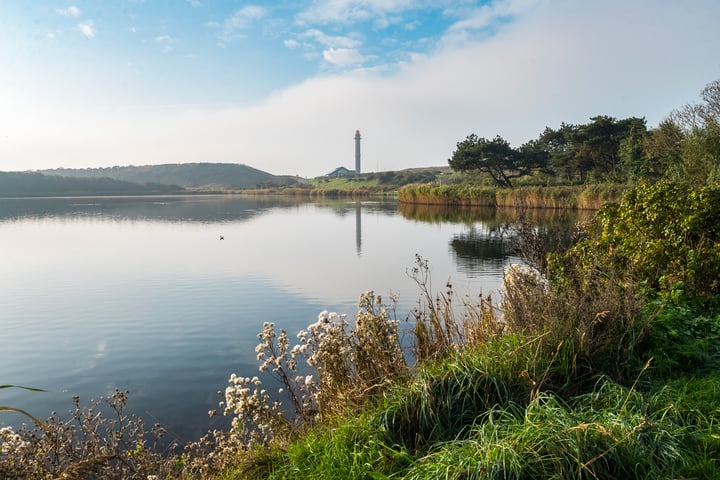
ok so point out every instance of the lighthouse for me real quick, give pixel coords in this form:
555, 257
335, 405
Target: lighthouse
357, 151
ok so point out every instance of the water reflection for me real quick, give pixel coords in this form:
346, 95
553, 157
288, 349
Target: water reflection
492, 235
200, 209
447, 214
358, 228
480, 248
486, 242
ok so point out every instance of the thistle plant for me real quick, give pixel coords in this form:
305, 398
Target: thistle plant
99, 441
334, 366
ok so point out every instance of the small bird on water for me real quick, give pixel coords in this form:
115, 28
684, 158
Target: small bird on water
222, 238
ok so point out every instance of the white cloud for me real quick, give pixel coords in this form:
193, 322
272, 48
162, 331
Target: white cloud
86, 29
291, 43
385, 21
349, 11
242, 19
71, 11
490, 14
195, 3
331, 40
166, 41
343, 57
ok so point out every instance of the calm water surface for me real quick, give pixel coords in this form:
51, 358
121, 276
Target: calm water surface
141, 294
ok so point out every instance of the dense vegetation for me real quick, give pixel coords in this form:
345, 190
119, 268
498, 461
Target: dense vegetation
605, 151
686, 145
590, 196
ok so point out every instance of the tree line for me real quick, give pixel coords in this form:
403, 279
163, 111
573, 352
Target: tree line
685, 145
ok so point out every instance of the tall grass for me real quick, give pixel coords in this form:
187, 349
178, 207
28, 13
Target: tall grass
464, 194
582, 197
552, 439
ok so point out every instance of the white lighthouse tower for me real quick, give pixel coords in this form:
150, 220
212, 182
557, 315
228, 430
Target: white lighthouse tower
357, 151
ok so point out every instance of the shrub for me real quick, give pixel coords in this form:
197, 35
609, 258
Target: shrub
664, 234
682, 340
592, 324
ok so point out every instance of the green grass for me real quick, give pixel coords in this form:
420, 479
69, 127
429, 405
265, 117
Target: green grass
610, 432
343, 183
613, 431
352, 449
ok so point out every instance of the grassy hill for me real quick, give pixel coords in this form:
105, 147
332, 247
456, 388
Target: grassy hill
31, 184
189, 175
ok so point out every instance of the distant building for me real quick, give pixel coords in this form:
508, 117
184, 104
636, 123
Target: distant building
357, 151
340, 172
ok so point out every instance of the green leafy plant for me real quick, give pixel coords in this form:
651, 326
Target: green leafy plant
661, 234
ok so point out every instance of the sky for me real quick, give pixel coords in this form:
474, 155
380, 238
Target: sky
283, 85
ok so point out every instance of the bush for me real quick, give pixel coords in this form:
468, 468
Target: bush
663, 234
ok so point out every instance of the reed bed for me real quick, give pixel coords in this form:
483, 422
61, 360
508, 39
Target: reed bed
577, 197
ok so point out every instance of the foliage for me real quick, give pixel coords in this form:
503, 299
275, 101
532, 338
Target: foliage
604, 149
683, 340
592, 329
601, 363
496, 158
699, 125
685, 145
664, 234
447, 397
663, 147
455, 194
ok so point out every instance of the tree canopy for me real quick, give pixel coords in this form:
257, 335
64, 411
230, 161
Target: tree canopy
684, 146
496, 158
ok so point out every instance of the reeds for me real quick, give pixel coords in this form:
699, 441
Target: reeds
575, 197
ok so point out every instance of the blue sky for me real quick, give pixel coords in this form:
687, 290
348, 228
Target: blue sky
282, 85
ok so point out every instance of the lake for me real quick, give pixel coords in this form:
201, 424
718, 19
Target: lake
141, 293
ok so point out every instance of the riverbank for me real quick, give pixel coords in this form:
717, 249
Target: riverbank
583, 376
582, 197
